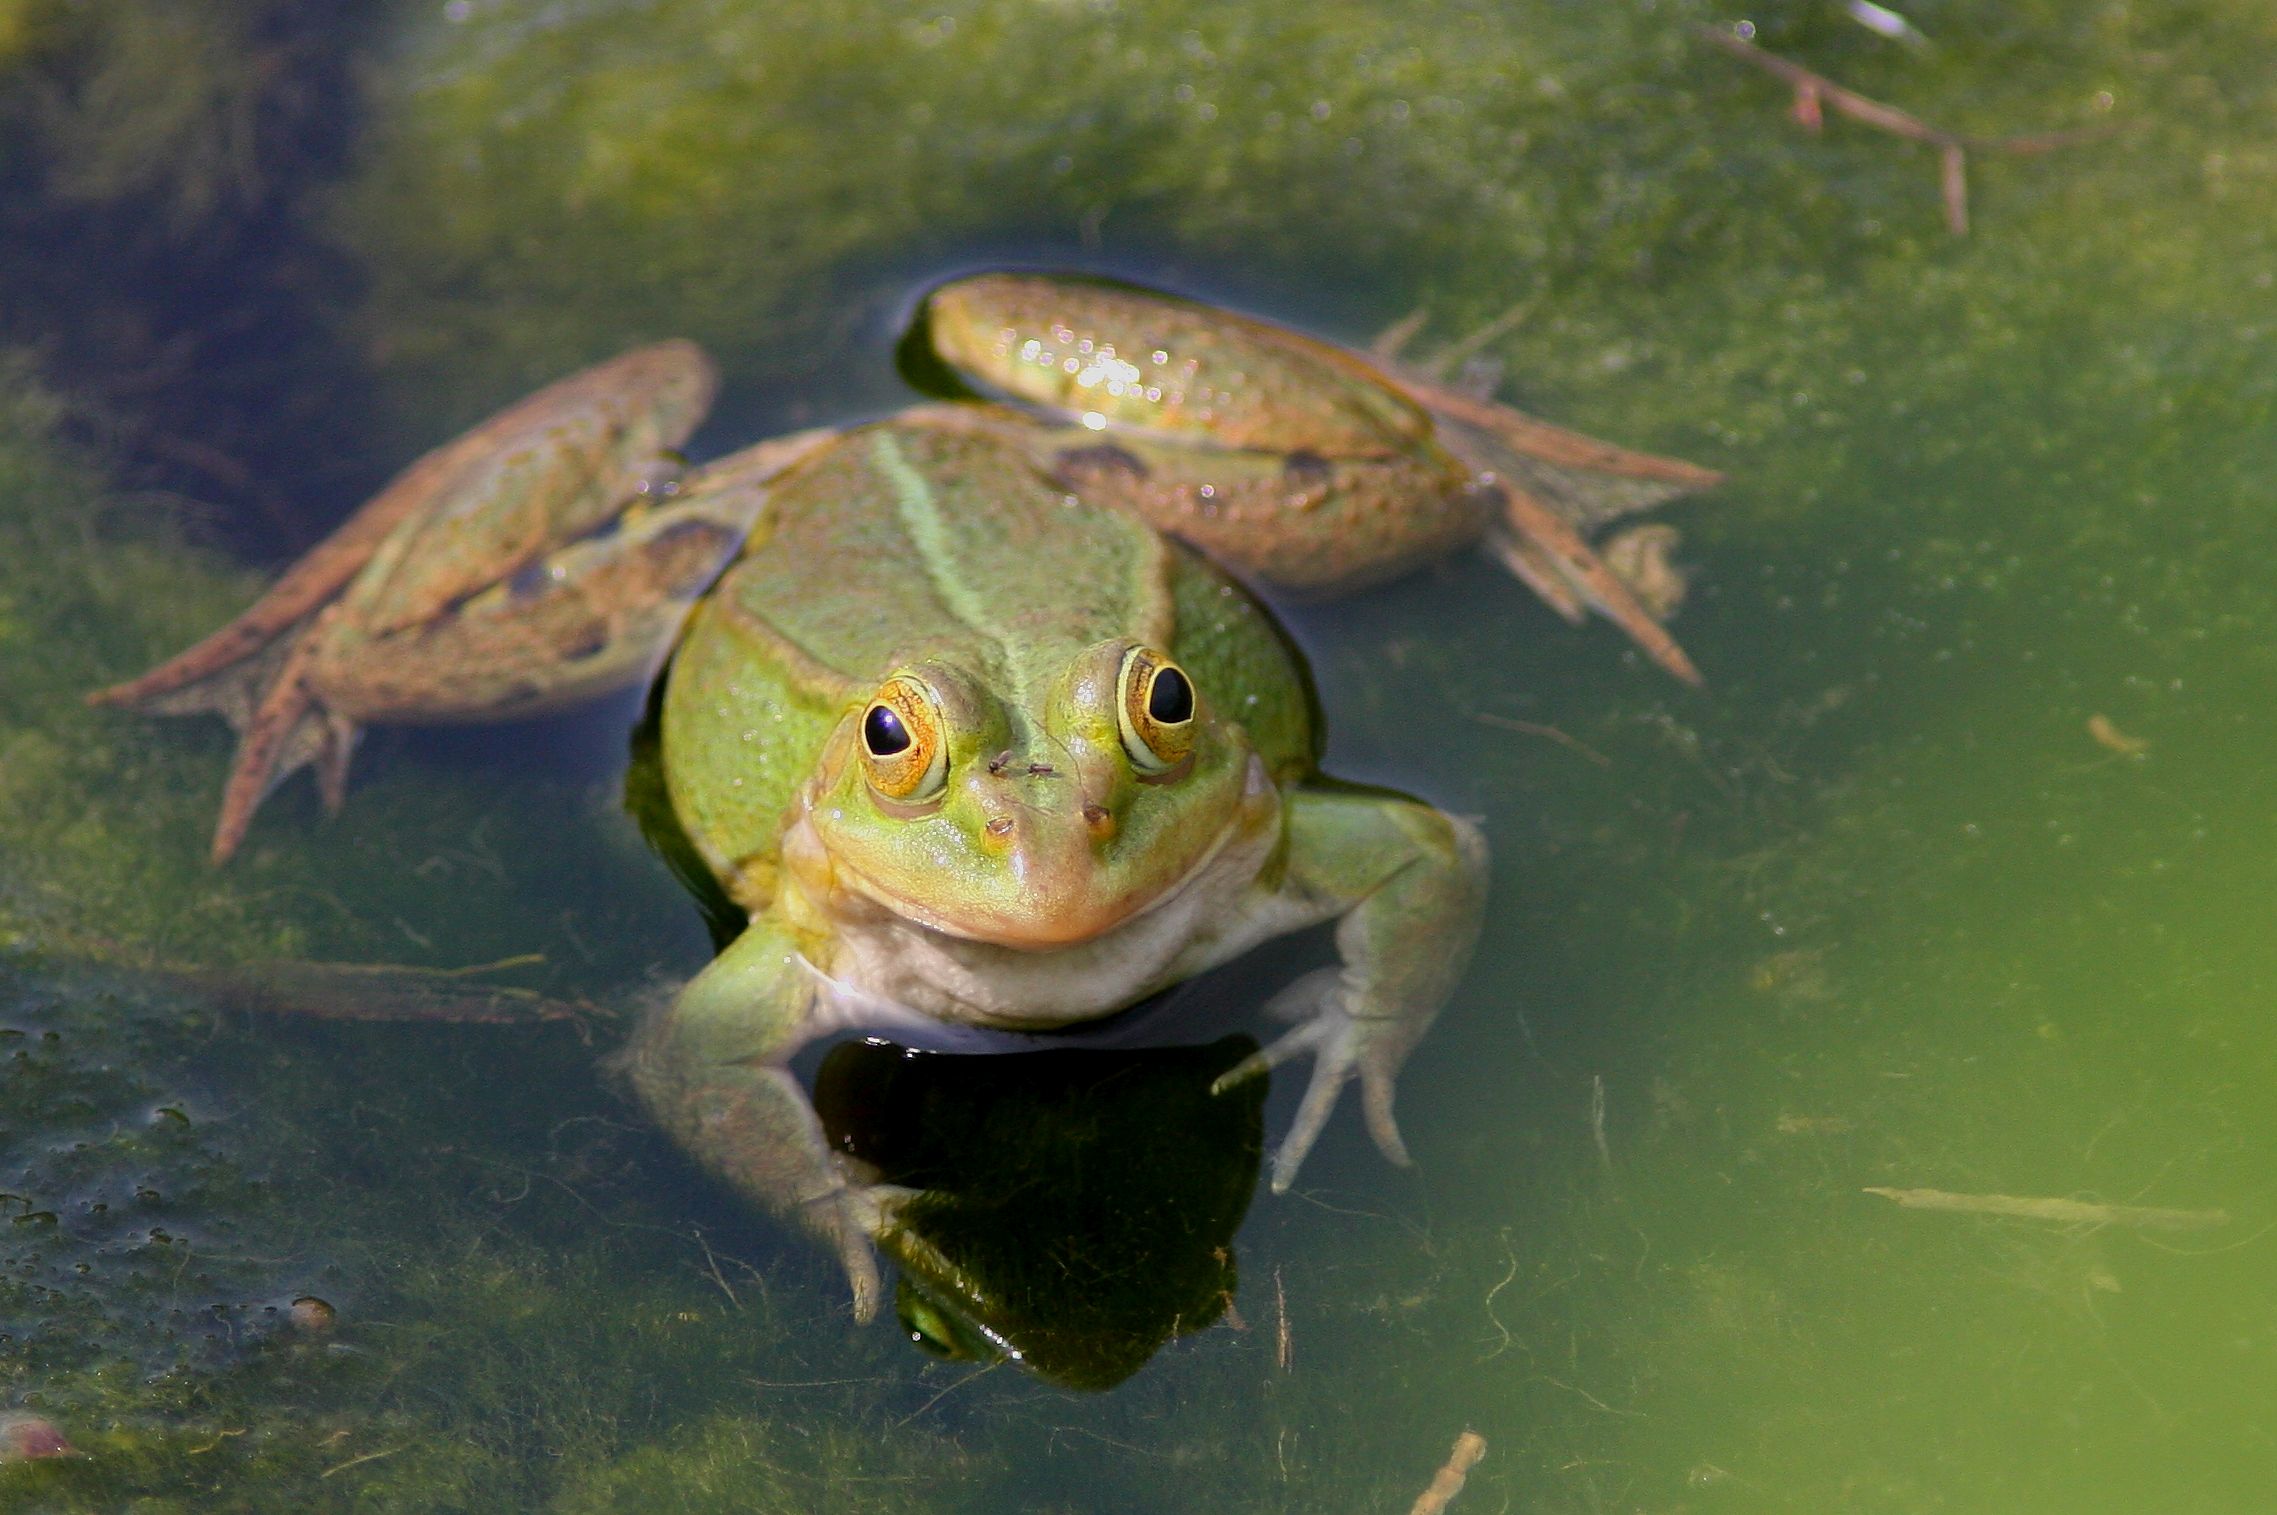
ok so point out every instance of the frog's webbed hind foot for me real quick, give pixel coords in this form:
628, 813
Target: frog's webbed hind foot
252, 673
289, 730
1554, 487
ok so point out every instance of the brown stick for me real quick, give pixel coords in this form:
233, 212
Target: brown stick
2070, 1212
1448, 1481
1814, 91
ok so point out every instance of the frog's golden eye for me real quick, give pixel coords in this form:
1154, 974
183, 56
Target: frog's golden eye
903, 748
1156, 708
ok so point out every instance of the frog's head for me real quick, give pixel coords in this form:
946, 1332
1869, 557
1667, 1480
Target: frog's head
1034, 817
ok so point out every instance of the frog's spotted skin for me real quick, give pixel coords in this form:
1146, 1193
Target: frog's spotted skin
961, 731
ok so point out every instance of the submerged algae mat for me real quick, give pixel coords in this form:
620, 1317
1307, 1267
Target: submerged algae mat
1875, 909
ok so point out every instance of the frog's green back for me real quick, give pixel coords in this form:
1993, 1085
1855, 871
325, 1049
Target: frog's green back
907, 540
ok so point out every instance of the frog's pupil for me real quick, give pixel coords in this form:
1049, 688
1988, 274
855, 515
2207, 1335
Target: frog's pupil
883, 733
1171, 699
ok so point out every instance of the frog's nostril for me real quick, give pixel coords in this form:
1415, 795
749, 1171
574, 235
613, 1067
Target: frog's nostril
1100, 819
1000, 825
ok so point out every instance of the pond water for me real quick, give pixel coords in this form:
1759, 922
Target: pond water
1957, 875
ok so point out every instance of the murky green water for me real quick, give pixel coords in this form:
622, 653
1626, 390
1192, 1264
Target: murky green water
1873, 909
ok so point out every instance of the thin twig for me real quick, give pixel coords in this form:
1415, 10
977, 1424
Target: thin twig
1536, 728
356, 1461
711, 1266
1814, 93
1461, 350
978, 1372
1284, 1348
1597, 1121
2070, 1212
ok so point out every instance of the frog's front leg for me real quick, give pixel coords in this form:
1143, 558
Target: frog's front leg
711, 1068
1410, 884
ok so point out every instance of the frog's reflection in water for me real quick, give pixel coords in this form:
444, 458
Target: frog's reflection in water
1078, 1206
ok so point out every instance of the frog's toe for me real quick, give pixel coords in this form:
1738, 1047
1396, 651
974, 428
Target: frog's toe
1342, 1048
1306, 1002
846, 1218
1329, 1070
1376, 1104
1342, 1052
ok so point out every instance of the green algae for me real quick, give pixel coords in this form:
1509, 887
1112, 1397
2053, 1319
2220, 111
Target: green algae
774, 176
145, 101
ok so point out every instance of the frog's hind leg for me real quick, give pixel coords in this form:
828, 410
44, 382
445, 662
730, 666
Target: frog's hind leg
597, 615
593, 614
491, 508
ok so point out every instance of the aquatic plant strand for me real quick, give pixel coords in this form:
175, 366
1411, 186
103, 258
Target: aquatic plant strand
1814, 92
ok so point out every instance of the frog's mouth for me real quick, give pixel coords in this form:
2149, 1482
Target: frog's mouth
1049, 889
1044, 903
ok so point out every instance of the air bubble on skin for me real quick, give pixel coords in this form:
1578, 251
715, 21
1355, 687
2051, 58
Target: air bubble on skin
1072, 365
1031, 350
1106, 368
1094, 420
1160, 356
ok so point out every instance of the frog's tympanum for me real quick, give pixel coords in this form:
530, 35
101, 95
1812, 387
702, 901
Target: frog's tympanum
1072, 1210
967, 710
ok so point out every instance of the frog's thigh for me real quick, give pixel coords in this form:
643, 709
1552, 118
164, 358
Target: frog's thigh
593, 615
710, 1069
1410, 884
1300, 521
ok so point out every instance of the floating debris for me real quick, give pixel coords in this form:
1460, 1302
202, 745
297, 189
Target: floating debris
1813, 1125
1448, 1481
26, 1437
2070, 1212
1884, 22
1572, 744
311, 1315
1284, 1348
2111, 737
1640, 557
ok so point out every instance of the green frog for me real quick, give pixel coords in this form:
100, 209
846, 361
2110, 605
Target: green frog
968, 711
